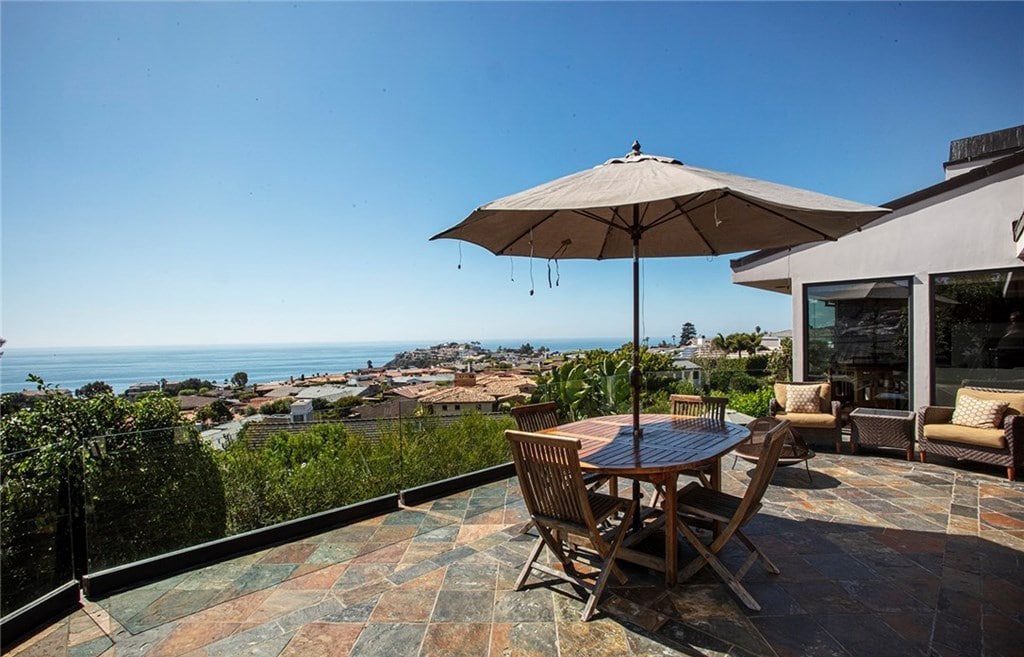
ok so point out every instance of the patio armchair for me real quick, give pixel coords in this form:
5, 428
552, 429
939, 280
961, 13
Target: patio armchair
822, 422
567, 515
1000, 444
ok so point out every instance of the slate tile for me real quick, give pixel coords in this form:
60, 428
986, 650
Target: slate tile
389, 640
463, 607
456, 640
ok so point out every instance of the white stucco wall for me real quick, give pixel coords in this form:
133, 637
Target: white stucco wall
965, 229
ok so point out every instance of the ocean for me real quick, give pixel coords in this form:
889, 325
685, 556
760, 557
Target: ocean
121, 367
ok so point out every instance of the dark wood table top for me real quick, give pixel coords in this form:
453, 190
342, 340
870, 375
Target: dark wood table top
670, 443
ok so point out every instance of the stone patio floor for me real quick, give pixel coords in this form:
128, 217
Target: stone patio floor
879, 557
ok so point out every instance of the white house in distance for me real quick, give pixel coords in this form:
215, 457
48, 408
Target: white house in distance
900, 314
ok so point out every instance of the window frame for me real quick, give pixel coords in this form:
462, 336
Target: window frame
908, 278
932, 333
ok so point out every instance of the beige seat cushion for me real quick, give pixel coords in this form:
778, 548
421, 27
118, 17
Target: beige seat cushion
809, 420
824, 393
954, 433
1015, 399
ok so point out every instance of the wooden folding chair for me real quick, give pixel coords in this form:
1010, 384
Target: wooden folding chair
698, 504
712, 408
709, 408
537, 417
566, 514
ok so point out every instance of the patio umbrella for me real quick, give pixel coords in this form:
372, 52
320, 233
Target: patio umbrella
648, 206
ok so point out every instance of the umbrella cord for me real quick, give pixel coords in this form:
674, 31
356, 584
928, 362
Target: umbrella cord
531, 262
460, 256
512, 265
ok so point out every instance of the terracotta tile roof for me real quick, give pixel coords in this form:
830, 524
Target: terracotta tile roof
459, 395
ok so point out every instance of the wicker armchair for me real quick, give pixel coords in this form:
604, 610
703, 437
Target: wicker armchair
825, 425
1003, 446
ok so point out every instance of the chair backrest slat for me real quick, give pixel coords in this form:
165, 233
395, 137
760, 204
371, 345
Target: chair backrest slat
697, 406
774, 441
550, 477
536, 417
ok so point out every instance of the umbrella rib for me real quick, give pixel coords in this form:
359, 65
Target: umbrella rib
825, 236
526, 232
686, 214
668, 216
590, 215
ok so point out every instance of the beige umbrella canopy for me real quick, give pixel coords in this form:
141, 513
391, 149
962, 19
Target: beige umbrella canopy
648, 206
677, 210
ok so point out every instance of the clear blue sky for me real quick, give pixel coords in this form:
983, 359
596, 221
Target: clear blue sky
181, 173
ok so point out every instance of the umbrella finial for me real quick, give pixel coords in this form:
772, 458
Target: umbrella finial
636, 147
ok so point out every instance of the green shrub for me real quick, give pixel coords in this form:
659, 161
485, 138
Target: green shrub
753, 403
743, 382
757, 365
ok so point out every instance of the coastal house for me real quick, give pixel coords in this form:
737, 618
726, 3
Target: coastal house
458, 400
134, 391
900, 314
689, 371
478, 393
332, 393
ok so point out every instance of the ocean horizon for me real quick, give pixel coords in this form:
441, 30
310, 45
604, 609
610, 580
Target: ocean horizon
121, 367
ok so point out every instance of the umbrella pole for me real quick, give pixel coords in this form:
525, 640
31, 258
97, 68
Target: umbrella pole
634, 372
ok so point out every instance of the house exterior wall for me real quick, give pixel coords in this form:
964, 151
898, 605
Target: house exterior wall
964, 229
461, 408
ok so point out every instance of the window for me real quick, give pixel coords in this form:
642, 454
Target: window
977, 331
444, 407
458, 407
858, 337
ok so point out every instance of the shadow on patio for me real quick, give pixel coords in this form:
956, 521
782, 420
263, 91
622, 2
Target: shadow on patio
878, 557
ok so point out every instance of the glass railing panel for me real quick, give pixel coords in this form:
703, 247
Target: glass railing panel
439, 447
150, 492
36, 523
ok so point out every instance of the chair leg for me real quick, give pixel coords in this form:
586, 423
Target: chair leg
1010, 473
537, 547
707, 558
608, 566
808, 468
765, 561
613, 486
922, 453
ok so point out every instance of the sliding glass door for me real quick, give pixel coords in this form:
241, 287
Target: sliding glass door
858, 337
978, 331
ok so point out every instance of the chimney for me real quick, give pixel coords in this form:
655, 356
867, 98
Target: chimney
465, 379
977, 151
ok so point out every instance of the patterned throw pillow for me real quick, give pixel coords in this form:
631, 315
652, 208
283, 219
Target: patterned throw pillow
802, 399
980, 413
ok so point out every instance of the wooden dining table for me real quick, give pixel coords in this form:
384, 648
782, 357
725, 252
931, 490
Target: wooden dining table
670, 444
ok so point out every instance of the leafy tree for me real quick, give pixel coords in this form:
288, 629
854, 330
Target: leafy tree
11, 402
780, 361
687, 333
94, 389
187, 387
281, 406
150, 486
339, 409
239, 379
217, 412
597, 382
